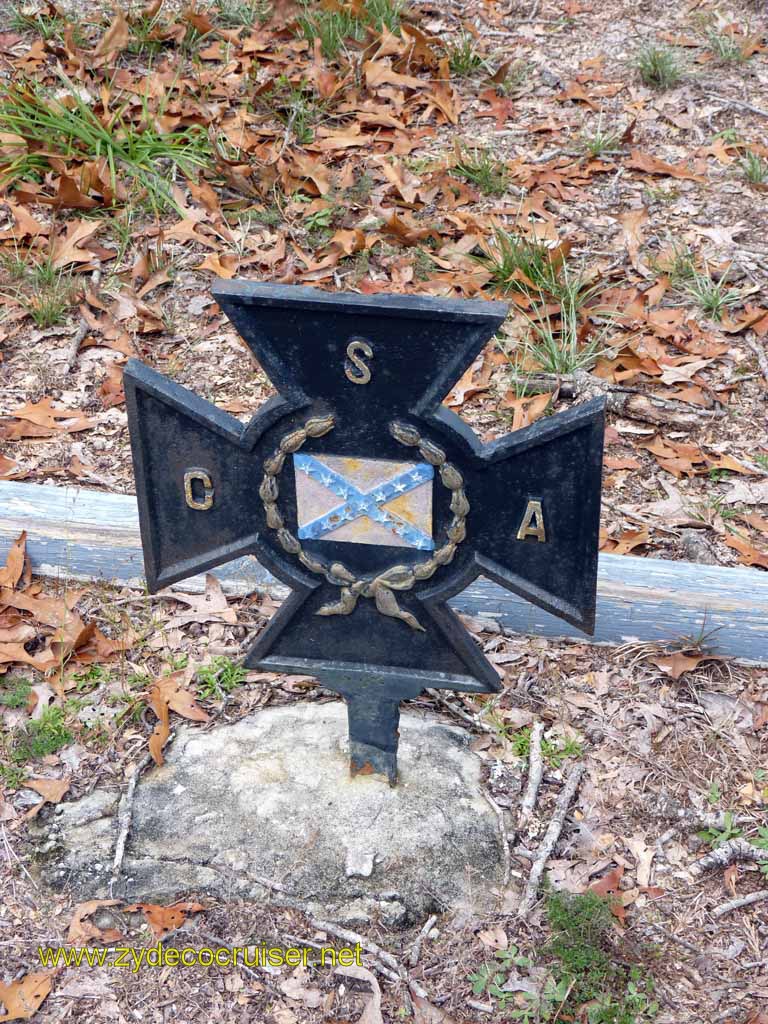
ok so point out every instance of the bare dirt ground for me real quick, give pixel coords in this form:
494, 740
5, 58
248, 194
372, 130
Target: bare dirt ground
350, 181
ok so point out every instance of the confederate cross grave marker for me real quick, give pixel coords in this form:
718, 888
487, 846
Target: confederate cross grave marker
373, 502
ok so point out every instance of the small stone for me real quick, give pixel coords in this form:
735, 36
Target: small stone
359, 863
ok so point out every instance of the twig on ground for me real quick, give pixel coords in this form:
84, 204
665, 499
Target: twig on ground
504, 837
550, 838
620, 399
82, 330
429, 924
386, 962
728, 853
124, 818
742, 901
738, 103
222, 944
762, 356
535, 772
11, 854
457, 709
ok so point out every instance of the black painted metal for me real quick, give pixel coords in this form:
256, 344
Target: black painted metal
420, 348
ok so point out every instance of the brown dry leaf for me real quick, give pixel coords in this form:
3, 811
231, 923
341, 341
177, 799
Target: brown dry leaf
748, 554
621, 462
41, 419
372, 1012
728, 462
81, 932
222, 264
756, 521
379, 72
574, 91
162, 729
678, 663
526, 410
730, 875
474, 381
14, 563
22, 999
494, 938
296, 987
111, 388
608, 886
9, 470
639, 161
43, 661
165, 919
631, 539
51, 790
116, 37
210, 606
65, 249
631, 226
172, 691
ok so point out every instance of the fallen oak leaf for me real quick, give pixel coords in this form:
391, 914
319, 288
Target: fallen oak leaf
639, 161
165, 919
372, 1012
43, 661
10, 574
116, 37
172, 691
749, 555
111, 388
677, 664
23, 998
10, 470
630, 539
82, 931
162, 729
210, 606
608, 886
51, 790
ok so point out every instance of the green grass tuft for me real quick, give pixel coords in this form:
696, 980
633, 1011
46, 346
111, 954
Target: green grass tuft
659, 66
218, 678
335, 27
725, 46
755, 169
480, 169
144, 154
464, 57
712, 297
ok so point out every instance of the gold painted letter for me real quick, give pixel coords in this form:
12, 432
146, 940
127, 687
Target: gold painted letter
533, 523
353, 348
198, 475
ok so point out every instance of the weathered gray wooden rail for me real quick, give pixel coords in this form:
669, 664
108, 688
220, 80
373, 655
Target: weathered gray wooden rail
76, 533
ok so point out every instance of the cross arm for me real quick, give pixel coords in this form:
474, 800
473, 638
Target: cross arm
196, 480
536, 512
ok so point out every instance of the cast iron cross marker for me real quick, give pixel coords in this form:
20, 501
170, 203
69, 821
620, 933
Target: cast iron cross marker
372, 501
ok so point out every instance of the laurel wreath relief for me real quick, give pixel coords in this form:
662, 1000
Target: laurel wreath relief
381, 587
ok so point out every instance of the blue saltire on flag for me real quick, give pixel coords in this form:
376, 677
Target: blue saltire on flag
364, 501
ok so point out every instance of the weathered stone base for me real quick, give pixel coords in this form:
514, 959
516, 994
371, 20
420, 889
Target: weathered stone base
271, 797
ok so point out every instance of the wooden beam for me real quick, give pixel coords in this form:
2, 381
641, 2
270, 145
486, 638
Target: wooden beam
80, 534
